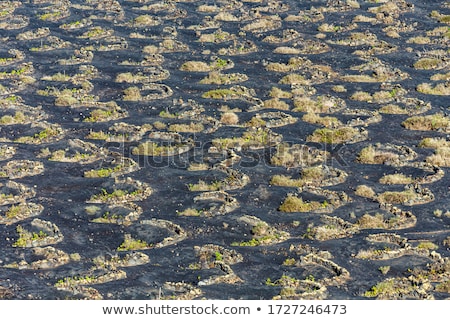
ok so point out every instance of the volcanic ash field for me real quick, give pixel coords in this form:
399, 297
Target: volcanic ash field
254, 149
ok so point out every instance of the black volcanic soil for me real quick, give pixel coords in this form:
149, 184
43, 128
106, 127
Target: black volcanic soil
123, 175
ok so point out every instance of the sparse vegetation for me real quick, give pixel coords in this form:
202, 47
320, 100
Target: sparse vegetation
373, 155
368, 221
294, 79
440, 17
121, 195
151, 148
235, 92
384, 269
229, 118
132, 94
262, 233
289, 262
428, 245
430, 122
386, 288
252, 138
103, 172
333, 136
440, 89
397, 178
400, 197
190, 212
440, 76
434, 143
198, 66
339, 88
186, 127
297, 155
256, 122
215, 77
129, 244
97, 135
45, 135
159, 125
18, 117
286, 181
393, 109
327, 121
198, 166
441, 157
279, 93
204, 186
26, 238
295, 204
443, 286
312, 176
361, 96
145, 21
427, 63
365, 191
276, 103
321, 104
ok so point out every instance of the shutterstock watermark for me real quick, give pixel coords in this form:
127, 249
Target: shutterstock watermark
181, 155
168, 309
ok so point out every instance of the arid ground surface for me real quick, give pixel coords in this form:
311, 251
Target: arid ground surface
254, 149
